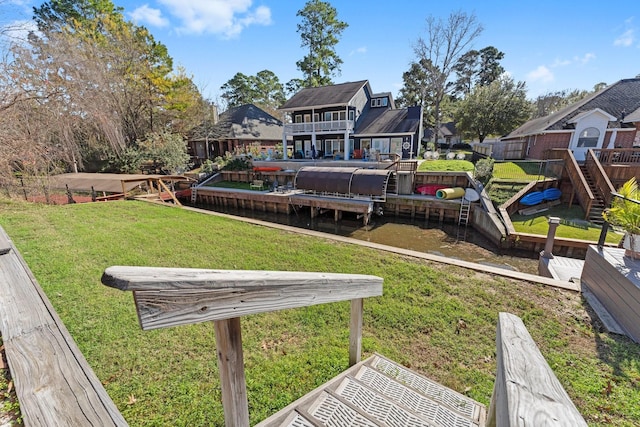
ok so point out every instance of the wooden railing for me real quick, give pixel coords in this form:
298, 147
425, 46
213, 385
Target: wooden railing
54, 383
177, 296
600, 178
618, 156
526, 391
580, 186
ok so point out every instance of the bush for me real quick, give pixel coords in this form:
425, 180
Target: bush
483, 170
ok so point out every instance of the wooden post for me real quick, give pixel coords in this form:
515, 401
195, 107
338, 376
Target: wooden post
355, 331
231, 367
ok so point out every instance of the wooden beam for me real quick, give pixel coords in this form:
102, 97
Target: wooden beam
173, 196
231, 367
176, 296
526, 391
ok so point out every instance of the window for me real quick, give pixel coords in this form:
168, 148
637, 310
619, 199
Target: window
316, 117
335, 116
375, 102
298, 118
343, 115
351, 115
589, 138
327, 116
307, 118
384, 102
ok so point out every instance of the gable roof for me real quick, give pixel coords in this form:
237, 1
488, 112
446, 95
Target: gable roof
632, 117
325, 96
617, 100
244, 122
386, 121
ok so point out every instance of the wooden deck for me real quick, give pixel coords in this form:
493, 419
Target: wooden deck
614, 279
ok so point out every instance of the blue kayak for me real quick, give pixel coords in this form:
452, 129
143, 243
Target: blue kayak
551, 194
531, 199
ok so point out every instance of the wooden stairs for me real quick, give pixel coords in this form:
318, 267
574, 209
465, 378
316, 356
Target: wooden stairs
598, 206
380, 392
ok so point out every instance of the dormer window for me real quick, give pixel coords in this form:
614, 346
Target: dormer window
379, 102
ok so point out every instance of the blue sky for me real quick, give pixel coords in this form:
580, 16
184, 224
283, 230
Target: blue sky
551, 45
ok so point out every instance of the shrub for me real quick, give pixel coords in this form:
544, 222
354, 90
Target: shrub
483, 170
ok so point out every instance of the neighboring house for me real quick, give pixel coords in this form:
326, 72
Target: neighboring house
447, 135
348, 120
236, 128
609, 118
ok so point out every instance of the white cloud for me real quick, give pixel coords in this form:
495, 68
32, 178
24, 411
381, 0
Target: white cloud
361, 50
560, 63
148, 15
586, 58
625, 39
225, 17
541, 74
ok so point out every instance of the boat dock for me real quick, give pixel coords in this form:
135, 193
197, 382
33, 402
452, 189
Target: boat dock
290, 201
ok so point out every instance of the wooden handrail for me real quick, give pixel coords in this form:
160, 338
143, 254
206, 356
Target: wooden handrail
54, 383
526, 391
168, 297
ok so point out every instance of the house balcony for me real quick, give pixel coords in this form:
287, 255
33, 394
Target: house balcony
334, 126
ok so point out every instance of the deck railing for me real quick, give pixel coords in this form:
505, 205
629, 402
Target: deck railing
319, 127
618, 156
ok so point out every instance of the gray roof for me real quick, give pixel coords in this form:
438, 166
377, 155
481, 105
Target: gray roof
618, 99
323, 96
385, 121
632, 117
243, 122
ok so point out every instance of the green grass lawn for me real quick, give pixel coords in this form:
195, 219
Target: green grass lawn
519, 171
445, 166
572, 226
170, 376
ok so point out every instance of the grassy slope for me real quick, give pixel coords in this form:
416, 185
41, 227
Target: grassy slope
170, 375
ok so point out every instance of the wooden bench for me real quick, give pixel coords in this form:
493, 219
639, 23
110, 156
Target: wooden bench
257, 184
54, 383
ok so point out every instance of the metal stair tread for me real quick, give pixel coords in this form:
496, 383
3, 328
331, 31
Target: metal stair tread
380, 392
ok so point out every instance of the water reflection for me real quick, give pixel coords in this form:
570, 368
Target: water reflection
418, 235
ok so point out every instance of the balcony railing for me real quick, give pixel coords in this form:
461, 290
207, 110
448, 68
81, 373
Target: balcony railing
319, 127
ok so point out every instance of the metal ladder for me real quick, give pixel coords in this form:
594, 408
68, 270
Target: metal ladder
194, 195
463, 218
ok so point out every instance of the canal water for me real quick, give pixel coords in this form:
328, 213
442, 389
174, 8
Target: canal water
431, 237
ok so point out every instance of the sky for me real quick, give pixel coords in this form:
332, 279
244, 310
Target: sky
551, 45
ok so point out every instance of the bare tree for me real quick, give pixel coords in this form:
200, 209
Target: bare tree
438, 52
